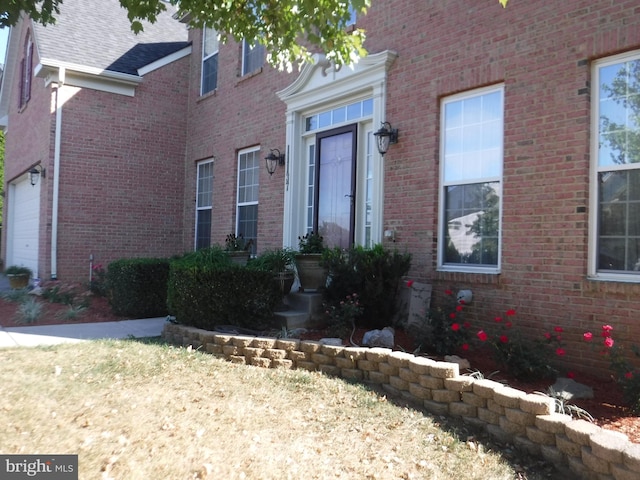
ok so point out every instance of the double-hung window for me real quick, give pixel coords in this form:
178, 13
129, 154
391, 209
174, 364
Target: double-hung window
471, 181
204, 204
247, 210
252, 57
210, 44
615, 246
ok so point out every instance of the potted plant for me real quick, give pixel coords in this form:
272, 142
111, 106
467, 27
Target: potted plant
18, 276
311, 275
280, 263
238, 248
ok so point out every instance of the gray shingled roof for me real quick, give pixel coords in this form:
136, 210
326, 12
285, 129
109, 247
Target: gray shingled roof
97, 33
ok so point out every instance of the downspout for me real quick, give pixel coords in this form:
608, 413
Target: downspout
56, 176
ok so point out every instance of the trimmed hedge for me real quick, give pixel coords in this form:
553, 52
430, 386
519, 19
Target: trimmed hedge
374, 274
137, 287
207, 289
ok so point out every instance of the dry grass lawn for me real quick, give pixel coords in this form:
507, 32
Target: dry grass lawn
134, 410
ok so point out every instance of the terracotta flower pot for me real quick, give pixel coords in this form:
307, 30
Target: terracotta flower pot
18, 280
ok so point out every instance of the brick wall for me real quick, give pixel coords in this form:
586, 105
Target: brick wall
542, 53
121, 172
121, 168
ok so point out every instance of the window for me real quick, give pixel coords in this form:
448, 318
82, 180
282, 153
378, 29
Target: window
247, 213
616, 173
204, 204
26, 72
354, 17
252, 57
471, 178
210, 44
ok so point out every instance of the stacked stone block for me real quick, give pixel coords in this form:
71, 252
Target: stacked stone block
510, 415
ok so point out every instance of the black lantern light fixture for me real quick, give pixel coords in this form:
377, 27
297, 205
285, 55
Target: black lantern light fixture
274, 159
386, 136
35, 173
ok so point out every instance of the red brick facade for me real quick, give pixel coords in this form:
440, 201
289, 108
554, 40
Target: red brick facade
121, 175
125, 190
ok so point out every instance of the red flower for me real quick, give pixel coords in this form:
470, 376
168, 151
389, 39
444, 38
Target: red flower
409, 283
571, 375
497, 319
504, 339
605, 333
628, 375
508, 324
452, 316
607, 328
459, 308
547, 335
461, 302
466, 325
608, 342
448, 292
560, 352
455, 327
587, 336
482, 335
511, 312
558, 329
465, 346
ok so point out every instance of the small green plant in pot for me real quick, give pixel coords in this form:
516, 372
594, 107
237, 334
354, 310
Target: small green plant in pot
18, 276
280, 263
238, 248
311, 275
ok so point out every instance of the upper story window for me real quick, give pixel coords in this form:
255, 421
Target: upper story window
252, 57
26, 72
615, 246
471, 181
354, 18
210, 44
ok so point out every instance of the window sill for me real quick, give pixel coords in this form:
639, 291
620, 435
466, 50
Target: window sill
249, 75
210, 94
613, 277
483, 276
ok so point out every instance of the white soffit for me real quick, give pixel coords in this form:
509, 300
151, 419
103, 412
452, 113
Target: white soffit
88, 77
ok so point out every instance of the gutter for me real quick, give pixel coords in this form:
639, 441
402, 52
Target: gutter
56, 175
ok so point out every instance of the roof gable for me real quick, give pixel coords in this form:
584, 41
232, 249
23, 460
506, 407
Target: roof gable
97, 34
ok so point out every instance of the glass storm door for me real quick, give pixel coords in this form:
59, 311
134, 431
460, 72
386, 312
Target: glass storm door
335, 190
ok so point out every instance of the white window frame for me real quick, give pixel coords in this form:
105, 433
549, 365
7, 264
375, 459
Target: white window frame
241, 186
251, 51
592, 265
489, 178
204, 205
206, 57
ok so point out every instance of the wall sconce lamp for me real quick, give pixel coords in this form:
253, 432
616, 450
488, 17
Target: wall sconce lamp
35, 173
274, 159
386, 136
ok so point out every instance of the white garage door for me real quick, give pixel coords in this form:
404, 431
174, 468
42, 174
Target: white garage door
24, 214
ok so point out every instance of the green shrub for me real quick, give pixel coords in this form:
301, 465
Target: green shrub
207, 289
138, 287
372, 273
524, 359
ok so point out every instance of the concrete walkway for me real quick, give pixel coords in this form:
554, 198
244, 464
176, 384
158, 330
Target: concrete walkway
68, 333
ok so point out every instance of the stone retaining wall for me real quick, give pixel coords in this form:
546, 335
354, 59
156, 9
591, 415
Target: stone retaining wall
510, 415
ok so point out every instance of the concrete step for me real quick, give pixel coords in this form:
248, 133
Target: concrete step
304, 311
